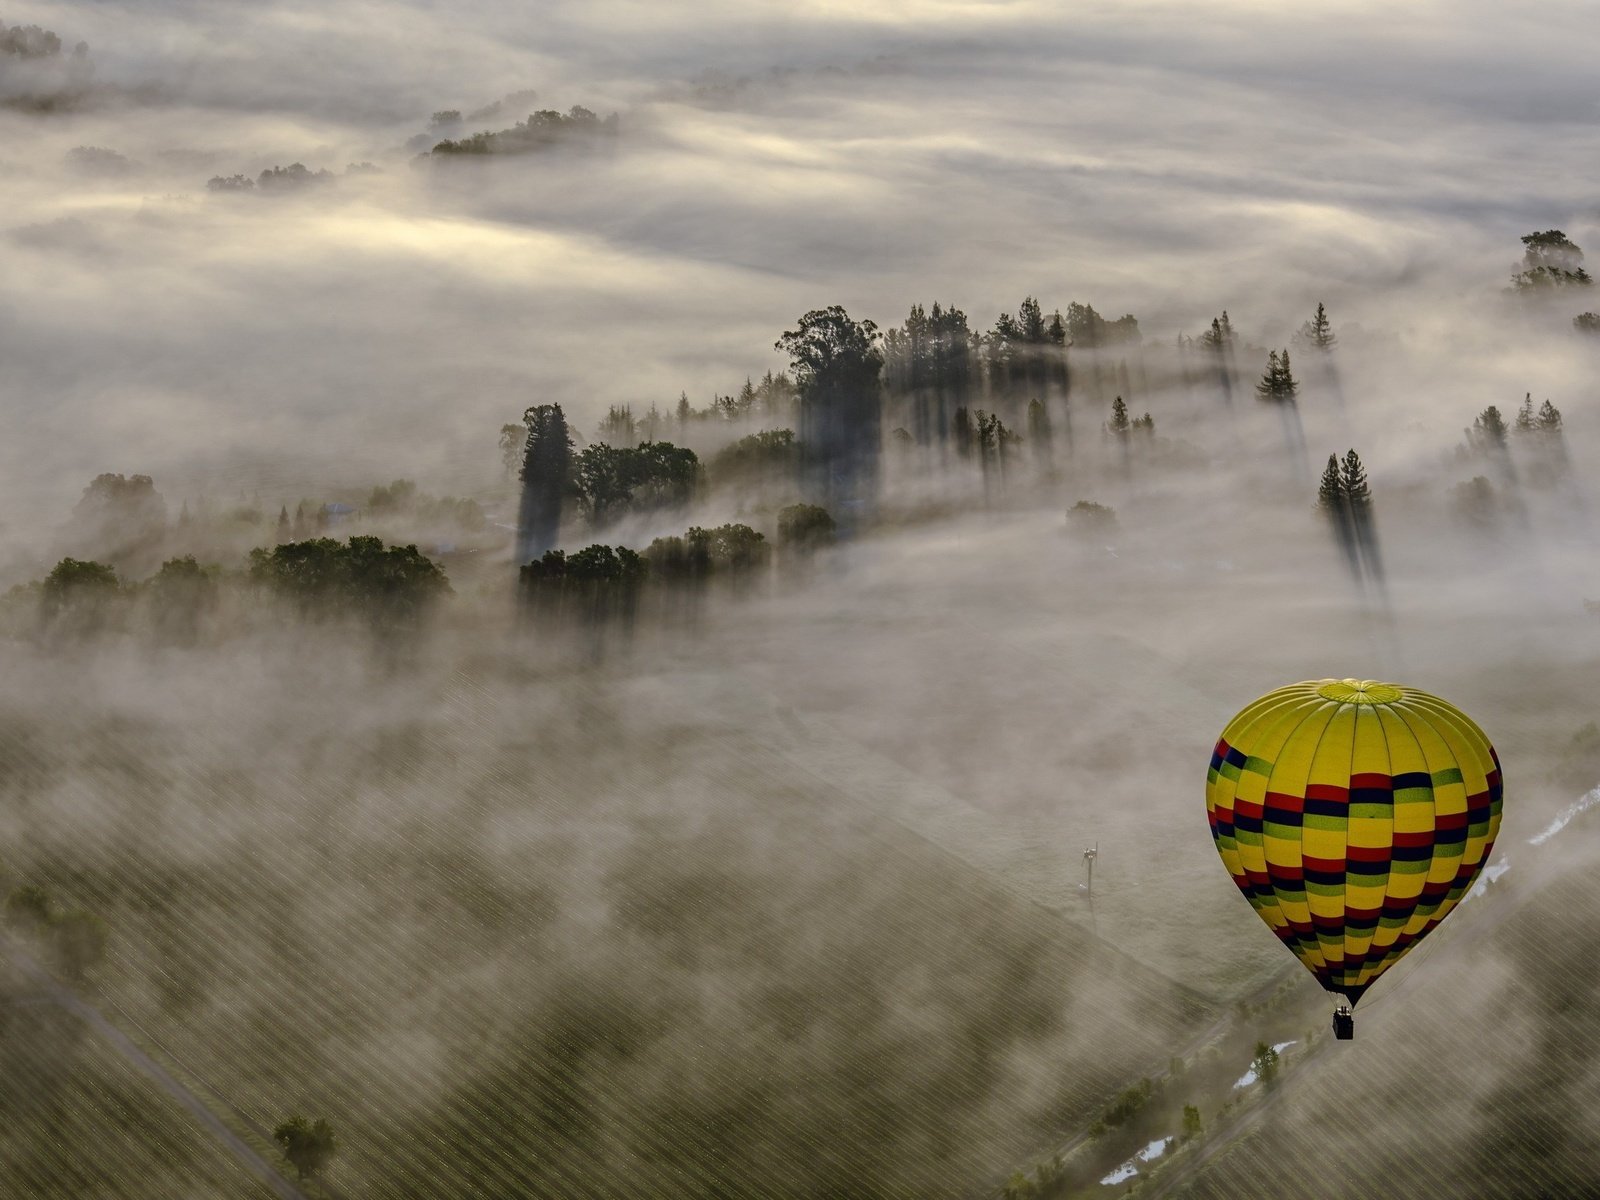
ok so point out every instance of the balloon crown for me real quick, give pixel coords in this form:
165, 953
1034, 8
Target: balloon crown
1358, 691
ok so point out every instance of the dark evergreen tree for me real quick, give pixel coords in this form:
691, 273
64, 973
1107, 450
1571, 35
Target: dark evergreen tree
1587, 322
285, 529
961, 432
546, 480
1488, 432
1353, 481
1549, 418
1524, 422
1318, 331
1118, 424
1330, 491
1334, 504
1277, 384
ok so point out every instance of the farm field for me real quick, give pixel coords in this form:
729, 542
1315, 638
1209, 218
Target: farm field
1488, 1052
586, 970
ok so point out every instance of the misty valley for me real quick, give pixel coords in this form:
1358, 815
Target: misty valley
522, 674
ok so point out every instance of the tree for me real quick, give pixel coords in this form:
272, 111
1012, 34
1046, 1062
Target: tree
1525, 414
1118, 424
1191, 1122
1277, 385
79, 593
1587, 322
512, 438
1488, 432
604, 479
546, 478
770, 453
307, 1145
119, 513
1550, 260
1265, 1062
1353, 481
1088, 517
805, 527
1318, 331
1330, 491
961, 432
1549, 418
619, 426
837, 367
182, 592
652, 475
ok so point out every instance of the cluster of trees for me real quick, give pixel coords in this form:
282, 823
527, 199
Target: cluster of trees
600, 582
612, 480
292, 178
605, 481
1123, 1108
541, 130
1489, 431
1277, 384
74, 939
322, 577
389, 586
32, 41
1345, 499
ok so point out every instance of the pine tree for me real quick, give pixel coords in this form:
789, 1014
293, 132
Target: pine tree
1318, 331
1353, 482
1488, 430
685, 411
546, 478
1119, 417
1330, 492
619, 428
1277, 383
1549, 418
1525, 414
961, 432
284, 533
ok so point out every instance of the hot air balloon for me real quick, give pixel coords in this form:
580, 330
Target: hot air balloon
1353, 815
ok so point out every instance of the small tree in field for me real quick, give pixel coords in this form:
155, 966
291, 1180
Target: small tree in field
307, 1145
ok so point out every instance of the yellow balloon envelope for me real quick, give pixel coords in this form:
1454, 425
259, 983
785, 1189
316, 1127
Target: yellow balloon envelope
1353, 815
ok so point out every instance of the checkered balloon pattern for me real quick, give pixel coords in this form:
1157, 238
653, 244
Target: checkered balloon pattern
1353, 815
